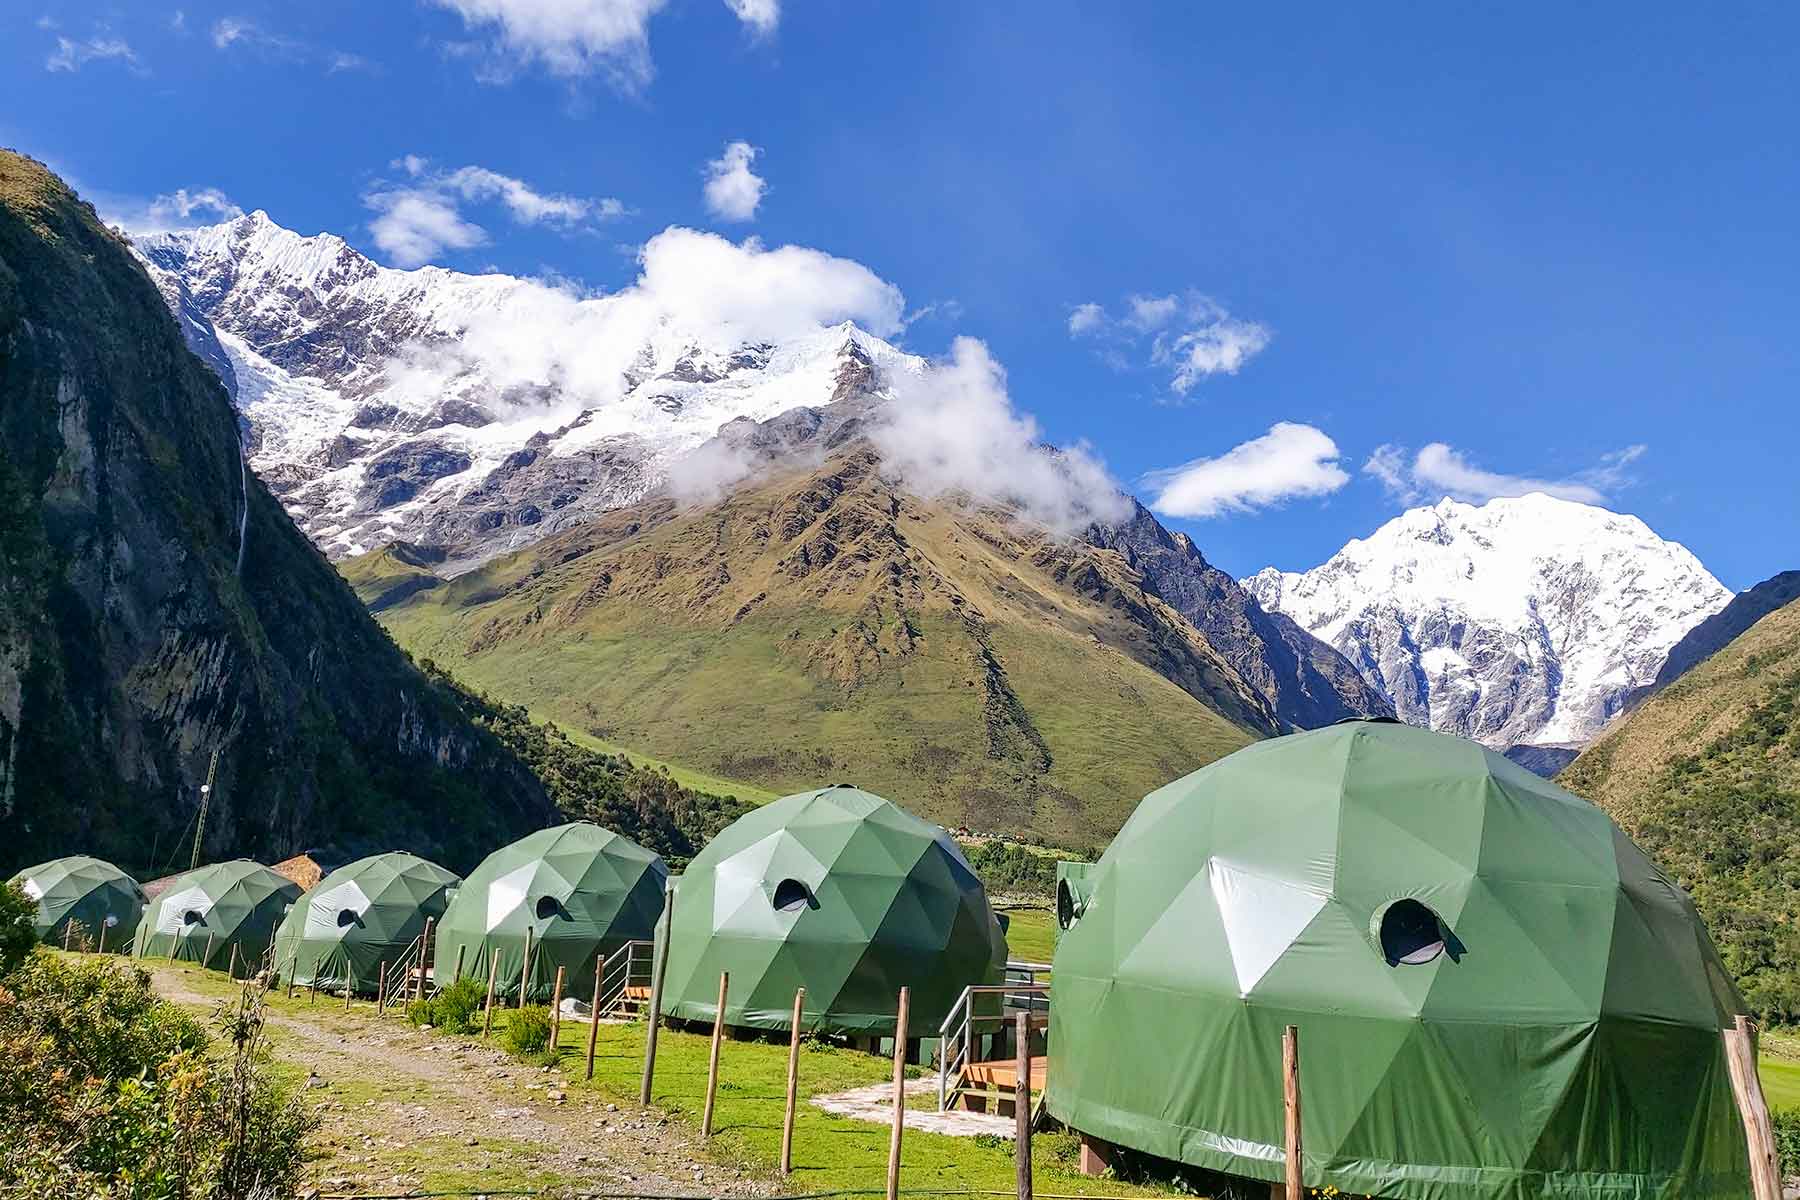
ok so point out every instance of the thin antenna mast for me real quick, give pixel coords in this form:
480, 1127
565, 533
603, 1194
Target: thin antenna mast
206, 788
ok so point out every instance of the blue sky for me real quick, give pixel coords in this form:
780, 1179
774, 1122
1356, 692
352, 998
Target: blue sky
1553, 243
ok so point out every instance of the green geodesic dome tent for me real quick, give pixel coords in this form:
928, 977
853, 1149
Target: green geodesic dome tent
360, 916
1497, 993
838, 891
95, 895
237, 903
580, 890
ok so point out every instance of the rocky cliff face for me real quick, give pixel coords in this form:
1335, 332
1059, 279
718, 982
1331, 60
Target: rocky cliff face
1307, 682
1526, 620
157, 604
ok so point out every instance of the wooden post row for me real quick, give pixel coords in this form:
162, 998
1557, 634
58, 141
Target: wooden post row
424, 959
487, 1018
712, 1062
1290, 1095
556, 1010
793, 1084
1022, 1103
660, 969
893, 1171
594, 1014
1746, 1088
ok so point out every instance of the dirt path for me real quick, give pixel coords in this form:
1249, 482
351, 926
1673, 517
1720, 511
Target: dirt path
403, 1110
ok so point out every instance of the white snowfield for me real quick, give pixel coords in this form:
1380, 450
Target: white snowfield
1524, 620
385, 403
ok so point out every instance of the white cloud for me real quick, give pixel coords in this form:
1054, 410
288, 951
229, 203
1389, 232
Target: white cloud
1191, 335
1289, 461
183, 208
692, 288
1086, 318
570, 38
760, 15
229, 31
1439, 469
242, 35
71, 54
954, 429
413, 226
419, 220
732, 190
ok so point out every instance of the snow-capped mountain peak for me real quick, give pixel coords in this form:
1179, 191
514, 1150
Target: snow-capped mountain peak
473, 413
1525, 620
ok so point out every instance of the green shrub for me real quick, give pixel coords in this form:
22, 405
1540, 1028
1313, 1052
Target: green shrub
1787, 1139
109, 1091
455, 1009
17, 933
527, 1031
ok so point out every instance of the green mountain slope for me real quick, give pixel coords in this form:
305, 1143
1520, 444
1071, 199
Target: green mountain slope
1706, 775
131, 646
821, 625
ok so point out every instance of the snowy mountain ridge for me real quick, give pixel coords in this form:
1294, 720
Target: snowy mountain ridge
385, 404
1523, 621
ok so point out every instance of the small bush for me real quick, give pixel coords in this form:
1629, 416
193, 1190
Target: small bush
109, 1091
455, 1009
527, 1031
17, 933
1787, 1139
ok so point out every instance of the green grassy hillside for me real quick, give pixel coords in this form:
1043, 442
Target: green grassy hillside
824, 627
1706, 776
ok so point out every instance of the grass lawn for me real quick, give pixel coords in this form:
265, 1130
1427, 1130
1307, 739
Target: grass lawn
829, 1152
1779, 1067
1031, 934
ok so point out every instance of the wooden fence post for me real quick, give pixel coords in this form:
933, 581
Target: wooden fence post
793, 1085
525, 970
424, 959
556, 1010
1022, 1104
1290, 1095
293, 970
207, 957
487, 1018
594, 1014
68, 932
1746, 1088
101, 948
231, 971
312, 987
712, 1061
381, 990
349, 980
893, 1172
657, 973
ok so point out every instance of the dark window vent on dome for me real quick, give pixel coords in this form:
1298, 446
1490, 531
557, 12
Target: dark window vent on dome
347, 917
791, 896
1412, 935
190, 917
549, 906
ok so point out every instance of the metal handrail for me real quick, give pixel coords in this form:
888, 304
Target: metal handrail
628, 963
956, 1034
402, 970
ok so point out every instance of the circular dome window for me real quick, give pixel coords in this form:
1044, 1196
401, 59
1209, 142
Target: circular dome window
547, 907
791, 896
190, 917
346, 917
1411, 934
